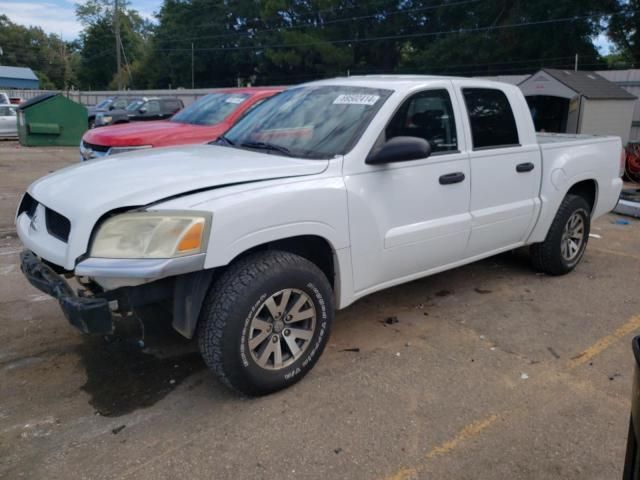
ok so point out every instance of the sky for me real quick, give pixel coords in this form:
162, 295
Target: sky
58, 16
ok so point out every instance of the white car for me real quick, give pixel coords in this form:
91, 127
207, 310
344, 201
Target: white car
8, 121
323, 194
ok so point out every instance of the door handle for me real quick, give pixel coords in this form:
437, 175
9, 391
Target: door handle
525, 167
451, 178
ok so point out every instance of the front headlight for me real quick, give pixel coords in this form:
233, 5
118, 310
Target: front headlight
116, 150
154, 234
106, 118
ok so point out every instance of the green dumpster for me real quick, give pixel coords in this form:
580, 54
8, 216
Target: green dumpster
51, 119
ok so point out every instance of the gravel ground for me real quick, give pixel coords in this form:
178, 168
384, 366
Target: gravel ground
491, 372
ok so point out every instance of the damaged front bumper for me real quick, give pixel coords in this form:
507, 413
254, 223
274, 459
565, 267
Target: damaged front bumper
90, 315
162, 281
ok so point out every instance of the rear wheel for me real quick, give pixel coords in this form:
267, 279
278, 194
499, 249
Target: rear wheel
265, 322
566, 240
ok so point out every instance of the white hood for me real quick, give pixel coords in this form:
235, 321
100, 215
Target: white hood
142, 177
86, 191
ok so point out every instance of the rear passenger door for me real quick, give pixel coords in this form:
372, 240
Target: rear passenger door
505, 170
170, 108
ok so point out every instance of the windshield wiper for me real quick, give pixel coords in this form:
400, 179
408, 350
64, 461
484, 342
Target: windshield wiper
267, 146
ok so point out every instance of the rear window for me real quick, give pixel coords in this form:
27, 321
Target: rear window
492, 122
211, 109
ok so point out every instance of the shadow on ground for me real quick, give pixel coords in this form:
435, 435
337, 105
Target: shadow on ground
128, 370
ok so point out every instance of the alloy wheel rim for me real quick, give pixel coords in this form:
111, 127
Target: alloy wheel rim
572, 237
281, 329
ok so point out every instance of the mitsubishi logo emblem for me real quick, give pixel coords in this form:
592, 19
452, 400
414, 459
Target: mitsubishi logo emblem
33, 225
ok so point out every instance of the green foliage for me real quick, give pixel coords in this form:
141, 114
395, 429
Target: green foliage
98, 66
291, 41
624, 30
47, 55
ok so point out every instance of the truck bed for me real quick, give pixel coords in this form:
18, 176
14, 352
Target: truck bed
556, 138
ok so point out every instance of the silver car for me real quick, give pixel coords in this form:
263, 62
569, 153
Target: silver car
8, 121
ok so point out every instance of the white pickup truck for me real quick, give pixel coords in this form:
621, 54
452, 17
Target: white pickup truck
323, 194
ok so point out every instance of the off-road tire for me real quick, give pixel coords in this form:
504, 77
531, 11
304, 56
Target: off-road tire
230, 306
547, 256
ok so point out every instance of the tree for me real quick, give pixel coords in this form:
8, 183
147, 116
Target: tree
624, 30
511, 36
47, 55
97, 69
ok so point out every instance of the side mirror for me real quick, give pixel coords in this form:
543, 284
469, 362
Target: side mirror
112, 107
143, 110
400, 149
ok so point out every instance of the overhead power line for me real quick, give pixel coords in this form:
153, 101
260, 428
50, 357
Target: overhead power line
394, 37
310, 24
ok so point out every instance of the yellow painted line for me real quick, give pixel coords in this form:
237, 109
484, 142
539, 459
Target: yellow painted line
614, 252
404, 474
475, 428
468, 432
465, 434
604, 343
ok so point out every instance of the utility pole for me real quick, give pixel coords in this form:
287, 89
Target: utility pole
575, 67
192, 70
116, 26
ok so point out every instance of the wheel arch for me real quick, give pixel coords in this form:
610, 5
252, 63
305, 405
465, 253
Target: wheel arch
587, 189
191, 289
315, 248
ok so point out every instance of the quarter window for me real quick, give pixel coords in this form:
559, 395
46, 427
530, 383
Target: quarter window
492, 122
427, 115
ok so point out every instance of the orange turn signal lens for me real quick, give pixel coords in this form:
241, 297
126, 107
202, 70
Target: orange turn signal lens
192, 239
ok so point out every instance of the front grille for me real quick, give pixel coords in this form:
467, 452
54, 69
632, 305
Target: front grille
28, 204
58, 225
96, 148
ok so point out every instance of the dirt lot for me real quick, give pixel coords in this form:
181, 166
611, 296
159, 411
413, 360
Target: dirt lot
491, 372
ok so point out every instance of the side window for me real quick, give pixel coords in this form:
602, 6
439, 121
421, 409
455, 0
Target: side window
153, 106
172, 105
427, 115
492, 122
120, 103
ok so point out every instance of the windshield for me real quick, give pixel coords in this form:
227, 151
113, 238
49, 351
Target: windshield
211, 109
135, 105
309, 122
104, 103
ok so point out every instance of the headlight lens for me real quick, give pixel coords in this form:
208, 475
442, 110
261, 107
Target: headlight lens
152, 235
115, 150
106, 118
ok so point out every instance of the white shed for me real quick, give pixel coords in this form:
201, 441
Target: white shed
568, 101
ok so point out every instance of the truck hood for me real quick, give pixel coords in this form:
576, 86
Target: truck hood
142, 177
86, 191
156, 133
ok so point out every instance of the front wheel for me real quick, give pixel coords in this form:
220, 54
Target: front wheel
566, 240
265, 322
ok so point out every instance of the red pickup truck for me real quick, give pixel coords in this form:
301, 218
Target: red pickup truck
202, 121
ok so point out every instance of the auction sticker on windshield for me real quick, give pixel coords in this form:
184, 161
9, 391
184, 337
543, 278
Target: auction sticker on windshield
356, 100
235, 100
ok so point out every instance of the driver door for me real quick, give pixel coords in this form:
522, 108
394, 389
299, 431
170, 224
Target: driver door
408, 218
